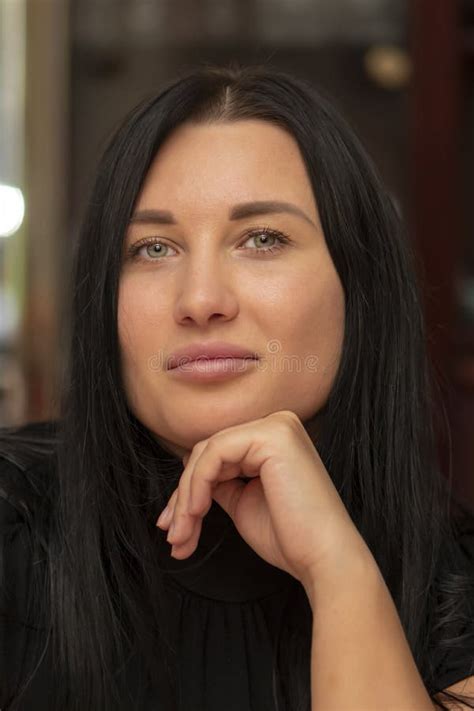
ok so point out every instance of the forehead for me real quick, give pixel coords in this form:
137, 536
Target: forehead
218, 164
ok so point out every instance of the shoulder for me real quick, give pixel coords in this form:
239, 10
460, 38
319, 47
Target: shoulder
27, 467
25, 445
27, 481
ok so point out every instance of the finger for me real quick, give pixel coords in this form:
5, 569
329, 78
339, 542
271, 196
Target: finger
166, 516
189, 529
200, 495
226, 457
182, 521
169, 520
187, 548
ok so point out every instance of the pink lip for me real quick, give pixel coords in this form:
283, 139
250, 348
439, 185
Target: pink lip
213, 369
207, 351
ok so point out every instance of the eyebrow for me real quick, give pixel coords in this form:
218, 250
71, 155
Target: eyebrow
237, 212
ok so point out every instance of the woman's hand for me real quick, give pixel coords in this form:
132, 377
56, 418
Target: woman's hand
289, 512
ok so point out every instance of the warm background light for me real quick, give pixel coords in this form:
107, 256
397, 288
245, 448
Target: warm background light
388, 66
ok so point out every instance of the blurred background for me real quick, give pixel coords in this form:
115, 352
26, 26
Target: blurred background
401, 71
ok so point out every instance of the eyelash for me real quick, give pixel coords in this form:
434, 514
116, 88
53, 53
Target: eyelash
283, 240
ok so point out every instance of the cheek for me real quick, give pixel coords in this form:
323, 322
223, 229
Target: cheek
125, 319
314, 316
134, 330
140, 315
318, 339
138, 330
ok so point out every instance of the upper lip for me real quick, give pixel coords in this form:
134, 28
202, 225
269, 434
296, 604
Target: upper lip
216, 349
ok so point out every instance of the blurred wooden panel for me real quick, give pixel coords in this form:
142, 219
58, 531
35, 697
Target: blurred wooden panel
438, 52
46, 156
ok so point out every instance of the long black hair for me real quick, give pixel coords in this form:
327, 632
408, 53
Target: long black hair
376, 432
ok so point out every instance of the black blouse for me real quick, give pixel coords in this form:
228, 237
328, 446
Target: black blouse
225, 614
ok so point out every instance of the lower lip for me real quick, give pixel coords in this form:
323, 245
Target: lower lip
213, 369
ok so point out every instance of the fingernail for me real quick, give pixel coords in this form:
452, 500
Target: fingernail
164, 516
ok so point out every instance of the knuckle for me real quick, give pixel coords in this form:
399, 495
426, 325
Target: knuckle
200, 446
291, 416
173, 501
179, 516
178, 509
204, 510
212, 444
286, 422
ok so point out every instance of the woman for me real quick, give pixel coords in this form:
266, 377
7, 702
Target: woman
318, 558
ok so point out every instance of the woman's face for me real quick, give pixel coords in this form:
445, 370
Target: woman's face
211, 280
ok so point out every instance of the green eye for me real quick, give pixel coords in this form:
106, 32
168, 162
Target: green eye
153, 249
156, 249
268, 235
150, 242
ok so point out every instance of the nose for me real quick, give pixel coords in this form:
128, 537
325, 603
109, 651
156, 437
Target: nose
205, 292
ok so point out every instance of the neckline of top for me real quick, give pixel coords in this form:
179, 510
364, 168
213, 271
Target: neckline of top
223, 567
